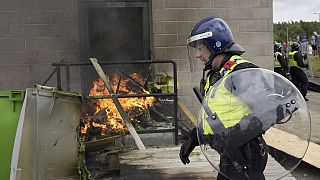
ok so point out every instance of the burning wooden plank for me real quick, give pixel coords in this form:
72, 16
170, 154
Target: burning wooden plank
115, 100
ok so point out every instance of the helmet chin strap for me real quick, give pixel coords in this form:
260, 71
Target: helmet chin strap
208, 65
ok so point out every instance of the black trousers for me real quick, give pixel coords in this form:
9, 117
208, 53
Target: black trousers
257, 163
300, 80
279, 70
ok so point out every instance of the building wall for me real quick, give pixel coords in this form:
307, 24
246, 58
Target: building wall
34, 34
250, 21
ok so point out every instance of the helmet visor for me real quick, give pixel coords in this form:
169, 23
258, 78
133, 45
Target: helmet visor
197, 50
197, 53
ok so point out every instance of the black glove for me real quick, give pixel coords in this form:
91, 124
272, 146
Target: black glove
185, 150
307, 66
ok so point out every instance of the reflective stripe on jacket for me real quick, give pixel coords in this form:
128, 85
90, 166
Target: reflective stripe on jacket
235, 60
276, 62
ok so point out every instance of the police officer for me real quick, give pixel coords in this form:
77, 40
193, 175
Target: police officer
299, 78
212, 43
280, 63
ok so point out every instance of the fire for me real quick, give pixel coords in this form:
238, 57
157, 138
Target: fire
111, 120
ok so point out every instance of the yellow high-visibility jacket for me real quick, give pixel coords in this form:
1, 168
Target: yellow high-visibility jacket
291, 60
229, 108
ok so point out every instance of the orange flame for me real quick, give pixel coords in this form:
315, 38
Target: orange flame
112, 120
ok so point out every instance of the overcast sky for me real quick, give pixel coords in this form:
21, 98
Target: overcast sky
295, 10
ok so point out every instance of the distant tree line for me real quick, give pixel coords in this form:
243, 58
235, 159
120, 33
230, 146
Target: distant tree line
297, 28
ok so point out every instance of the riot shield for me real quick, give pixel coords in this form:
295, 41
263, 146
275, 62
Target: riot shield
254, 120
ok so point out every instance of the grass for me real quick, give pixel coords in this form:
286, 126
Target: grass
315, 62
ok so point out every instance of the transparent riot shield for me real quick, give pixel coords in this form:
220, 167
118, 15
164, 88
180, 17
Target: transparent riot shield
254, 123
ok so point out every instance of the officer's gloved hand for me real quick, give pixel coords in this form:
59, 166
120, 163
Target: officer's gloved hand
307, 66
185, 150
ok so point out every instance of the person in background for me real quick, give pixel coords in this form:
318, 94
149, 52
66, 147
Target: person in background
314, 44
281, 65
284, 47
310, 50
298, 39
304, 49
299, 77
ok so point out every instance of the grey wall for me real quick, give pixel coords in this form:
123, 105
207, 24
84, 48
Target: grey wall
33, 34
250, 21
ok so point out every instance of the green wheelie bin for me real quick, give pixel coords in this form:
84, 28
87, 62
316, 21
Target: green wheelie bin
10, 107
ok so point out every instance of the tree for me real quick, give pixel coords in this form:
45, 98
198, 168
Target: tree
294, 29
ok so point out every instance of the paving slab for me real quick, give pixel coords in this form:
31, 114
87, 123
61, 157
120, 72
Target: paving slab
164, 163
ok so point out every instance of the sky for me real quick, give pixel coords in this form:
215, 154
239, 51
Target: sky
295, 10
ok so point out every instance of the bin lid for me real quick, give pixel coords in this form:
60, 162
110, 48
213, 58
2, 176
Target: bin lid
49, 89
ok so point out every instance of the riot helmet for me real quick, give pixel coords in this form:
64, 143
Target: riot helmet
277, 47
213, 34
295, 46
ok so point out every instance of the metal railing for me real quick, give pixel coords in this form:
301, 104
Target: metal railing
67, 66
